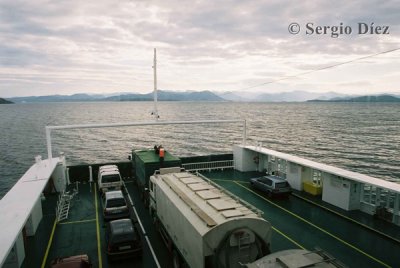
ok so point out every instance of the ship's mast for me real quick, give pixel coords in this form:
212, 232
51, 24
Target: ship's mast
155, 111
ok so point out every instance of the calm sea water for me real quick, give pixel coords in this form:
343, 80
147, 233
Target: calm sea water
360, 137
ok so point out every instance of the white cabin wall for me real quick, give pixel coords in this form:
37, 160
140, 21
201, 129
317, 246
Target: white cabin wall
34, 218
306, 174
244, 159
263, 162
293, 176
336, 191
367, 208
17, 254
354, 199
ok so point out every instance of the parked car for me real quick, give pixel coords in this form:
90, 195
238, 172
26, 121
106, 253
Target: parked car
109, 178
114, 206
272, 185
122, 240
79, 261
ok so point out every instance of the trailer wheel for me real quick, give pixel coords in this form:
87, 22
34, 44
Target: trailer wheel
176, 260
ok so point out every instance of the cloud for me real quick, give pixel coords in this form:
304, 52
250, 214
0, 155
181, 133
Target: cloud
107, 45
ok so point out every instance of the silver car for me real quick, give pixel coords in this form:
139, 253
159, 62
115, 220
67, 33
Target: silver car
114, 206
272, 185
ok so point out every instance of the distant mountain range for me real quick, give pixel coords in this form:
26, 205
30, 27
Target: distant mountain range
373, 98
296, 96
3, 101
161, 96
168, 96
293, 96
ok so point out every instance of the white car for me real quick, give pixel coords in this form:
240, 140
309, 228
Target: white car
109, 178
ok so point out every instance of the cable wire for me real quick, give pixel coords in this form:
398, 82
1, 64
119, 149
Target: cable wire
322, 68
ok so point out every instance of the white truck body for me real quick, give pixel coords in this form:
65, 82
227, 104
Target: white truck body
208, 226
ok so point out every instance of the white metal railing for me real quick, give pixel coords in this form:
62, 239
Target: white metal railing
49, 129
199, 166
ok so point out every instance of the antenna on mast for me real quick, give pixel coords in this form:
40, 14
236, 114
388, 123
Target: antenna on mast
155, 111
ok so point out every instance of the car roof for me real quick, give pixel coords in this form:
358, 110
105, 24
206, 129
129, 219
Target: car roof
108, 167
122, 226
109, 172
114, 194
274, 178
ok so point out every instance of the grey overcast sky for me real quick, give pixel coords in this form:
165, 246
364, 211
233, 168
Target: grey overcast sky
67, 47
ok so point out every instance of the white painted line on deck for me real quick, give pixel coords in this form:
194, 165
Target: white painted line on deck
147, 238
140, 222
152, 252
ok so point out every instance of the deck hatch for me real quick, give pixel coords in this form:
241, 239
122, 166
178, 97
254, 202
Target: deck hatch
232, 213
220, 204
189, 180
200, 186
182, 175
207, 194
193, 206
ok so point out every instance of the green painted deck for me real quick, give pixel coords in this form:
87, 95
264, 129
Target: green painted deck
301, 221
304, 222
78, 234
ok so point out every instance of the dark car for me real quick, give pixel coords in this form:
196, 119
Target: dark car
114, 206
79, 261
122, 239
271, 185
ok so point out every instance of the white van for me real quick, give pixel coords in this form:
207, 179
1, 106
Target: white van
109, 178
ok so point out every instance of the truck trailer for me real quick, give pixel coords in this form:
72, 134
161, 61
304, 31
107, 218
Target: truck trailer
202, 224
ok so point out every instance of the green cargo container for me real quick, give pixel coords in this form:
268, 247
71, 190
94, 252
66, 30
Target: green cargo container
146, 162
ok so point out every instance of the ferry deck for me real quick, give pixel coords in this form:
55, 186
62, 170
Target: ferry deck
300, 221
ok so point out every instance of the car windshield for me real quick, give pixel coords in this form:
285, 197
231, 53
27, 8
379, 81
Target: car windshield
125, 237
110, 178
116, 202
281, 184
265, 181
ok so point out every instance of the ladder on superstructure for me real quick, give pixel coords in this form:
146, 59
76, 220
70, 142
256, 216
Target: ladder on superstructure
244, 247
64, 204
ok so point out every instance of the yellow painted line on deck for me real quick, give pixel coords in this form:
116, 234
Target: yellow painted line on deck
287, 237
328, 209
74, 222
223, 180
49, 243
347, 218
97, 229
317, 227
